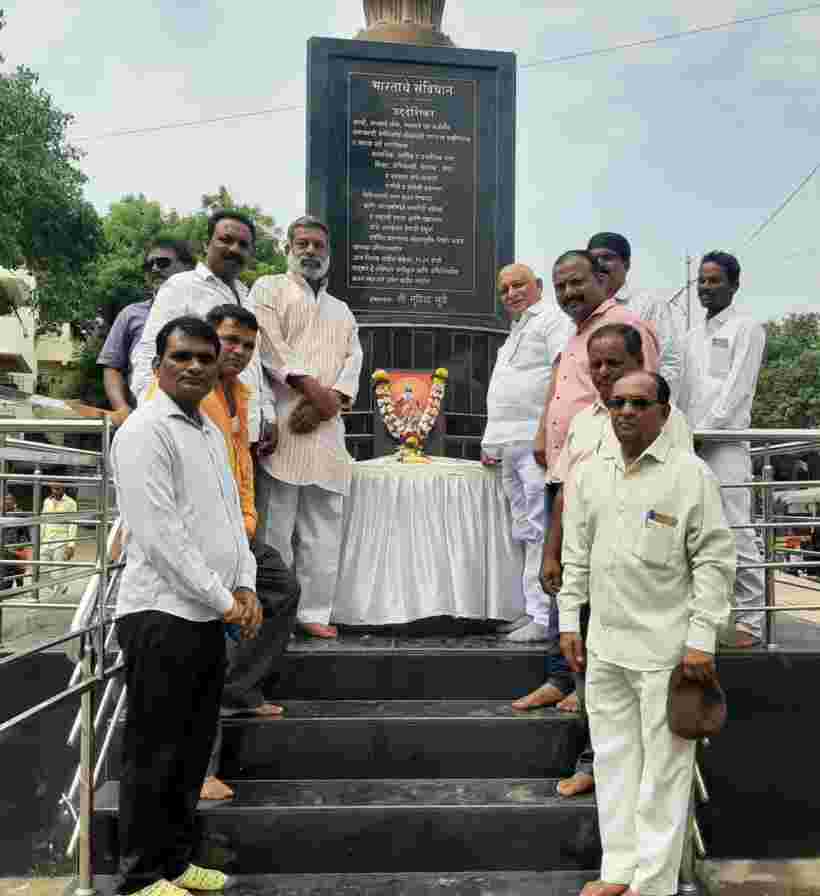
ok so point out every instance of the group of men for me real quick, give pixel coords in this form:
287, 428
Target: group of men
235, 460
207, 476
637, 545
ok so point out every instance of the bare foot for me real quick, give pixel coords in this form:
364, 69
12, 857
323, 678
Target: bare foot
579, 783
546, 695
569, 704
318, 630
214, 789
268, 709
602, 888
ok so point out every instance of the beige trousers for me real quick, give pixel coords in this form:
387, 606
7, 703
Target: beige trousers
643, 777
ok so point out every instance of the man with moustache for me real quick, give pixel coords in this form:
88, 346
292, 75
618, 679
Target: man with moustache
614, 351
647, 548
311, 350
722, 363
516, 394
580, 290
231, 243
163, 259
189, 571
614, 255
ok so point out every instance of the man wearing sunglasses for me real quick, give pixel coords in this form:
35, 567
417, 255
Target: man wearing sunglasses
646, 546
162, 260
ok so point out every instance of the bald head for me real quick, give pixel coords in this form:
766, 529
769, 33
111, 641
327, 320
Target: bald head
518, 288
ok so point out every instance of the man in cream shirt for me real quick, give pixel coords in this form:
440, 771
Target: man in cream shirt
515, 398
646, 545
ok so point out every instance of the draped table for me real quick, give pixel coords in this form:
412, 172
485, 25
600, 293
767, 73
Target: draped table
422, 540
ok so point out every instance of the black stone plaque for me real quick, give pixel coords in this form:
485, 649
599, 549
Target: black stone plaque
410, 161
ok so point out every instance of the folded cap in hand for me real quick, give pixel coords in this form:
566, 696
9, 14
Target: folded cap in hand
694, 709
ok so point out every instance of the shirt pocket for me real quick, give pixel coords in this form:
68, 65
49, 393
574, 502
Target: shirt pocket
655, 543
720, 357
529, 351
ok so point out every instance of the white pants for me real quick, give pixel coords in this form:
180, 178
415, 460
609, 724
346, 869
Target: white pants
303, 523
523, 482
57, 552
643, 777
731, 463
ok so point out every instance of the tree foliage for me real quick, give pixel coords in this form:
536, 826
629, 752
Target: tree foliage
45, 223
788, 389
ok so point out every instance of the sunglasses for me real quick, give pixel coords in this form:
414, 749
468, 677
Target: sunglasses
639, 404
159, 263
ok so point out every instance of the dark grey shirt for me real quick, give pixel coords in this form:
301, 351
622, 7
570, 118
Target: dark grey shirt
124, 336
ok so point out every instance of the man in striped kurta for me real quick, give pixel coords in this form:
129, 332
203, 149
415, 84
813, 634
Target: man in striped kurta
310, 350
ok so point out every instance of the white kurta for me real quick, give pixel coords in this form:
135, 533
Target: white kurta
647, 546
300, 487
515, 400
722, 363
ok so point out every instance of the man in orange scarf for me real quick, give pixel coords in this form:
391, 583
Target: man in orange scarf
250, 663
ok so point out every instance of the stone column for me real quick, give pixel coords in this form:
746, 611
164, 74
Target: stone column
405, 22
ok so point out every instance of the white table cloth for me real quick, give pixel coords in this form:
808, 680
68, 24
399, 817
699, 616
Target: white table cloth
422, 540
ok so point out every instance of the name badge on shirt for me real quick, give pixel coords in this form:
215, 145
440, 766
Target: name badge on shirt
654, 518
720, 357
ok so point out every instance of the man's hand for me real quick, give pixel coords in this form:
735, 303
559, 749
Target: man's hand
540, 455
251, 618
304, 418
575, 653
551, 573
488, 461
69, 552
119, 417
268, 439
699, 666
329, 404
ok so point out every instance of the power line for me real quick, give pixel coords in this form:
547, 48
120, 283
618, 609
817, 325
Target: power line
672, 36
772, 215
132, 132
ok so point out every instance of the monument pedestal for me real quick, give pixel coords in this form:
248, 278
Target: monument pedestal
411, 163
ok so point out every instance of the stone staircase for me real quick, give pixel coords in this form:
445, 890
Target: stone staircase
399, 768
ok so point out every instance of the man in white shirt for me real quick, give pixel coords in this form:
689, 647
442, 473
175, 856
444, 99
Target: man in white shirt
58, 539
614, 255
515, 398
231, 242
189, 569
646, 545
310, 349
722, 363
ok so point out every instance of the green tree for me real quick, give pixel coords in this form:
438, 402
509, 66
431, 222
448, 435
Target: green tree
45, 223
788, 389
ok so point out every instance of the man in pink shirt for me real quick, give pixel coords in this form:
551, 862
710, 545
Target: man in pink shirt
580, 285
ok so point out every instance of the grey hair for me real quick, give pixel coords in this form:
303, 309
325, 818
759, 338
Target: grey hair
307, 221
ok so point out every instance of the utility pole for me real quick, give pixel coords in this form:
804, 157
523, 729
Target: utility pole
688, 282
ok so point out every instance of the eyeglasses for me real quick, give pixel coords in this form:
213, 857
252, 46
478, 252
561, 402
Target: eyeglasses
639, 404
160, 263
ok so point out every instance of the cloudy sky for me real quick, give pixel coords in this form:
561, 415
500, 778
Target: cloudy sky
683, 146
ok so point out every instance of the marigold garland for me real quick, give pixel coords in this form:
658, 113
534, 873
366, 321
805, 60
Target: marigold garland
411, 433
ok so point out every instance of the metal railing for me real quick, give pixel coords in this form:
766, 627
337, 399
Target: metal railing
92, 629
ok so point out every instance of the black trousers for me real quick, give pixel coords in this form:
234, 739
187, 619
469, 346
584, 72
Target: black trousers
174, 672
252, 663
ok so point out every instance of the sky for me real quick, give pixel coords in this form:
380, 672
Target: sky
684, 146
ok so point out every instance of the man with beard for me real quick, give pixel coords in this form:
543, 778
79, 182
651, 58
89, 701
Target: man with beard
310, 347
614, 255
231, 243
164, 259
647, 547
723, 358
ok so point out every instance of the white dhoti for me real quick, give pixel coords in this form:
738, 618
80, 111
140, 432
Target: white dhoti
523, 482
57, 553
303, 523
643, 777
731, 463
